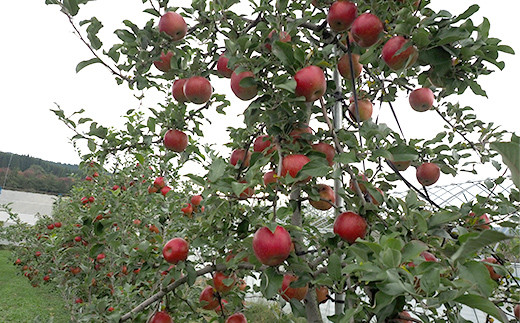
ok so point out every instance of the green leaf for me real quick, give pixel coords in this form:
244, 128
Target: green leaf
483, 304
83, 64
506, 49
334, 267
316, 168
91, 145
473, 244
297, 307
477, 275
466, 14
289, 85
272, 282
192, 274
284, 52
96, 250
412, 250
238, 188
216, 170
391, 258
475, 87
430, 281
71, 6
510, 152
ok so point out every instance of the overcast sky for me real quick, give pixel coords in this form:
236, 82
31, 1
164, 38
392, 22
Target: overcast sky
40, 53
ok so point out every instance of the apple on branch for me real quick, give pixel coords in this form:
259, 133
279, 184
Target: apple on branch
327, 198
326, 149
395, 57
282, 36
163, 64
288, 292
243, 92
344, 66
238, 156
222, 66
161, 317
365, 108
237, 318
421, 99
173, 24
272, 248
178, 90
428, 174
310, 83
341, 15
366, 30
175, 140
350, 226
197, 89
175, 250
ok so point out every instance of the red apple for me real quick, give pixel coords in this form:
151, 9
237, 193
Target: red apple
196, 200
421, 99
282, 36
292, 292
327, 196
100, 257
247, 193
165, 190
163, 64
46, 278
159, 182
77, 239
272, 248
404, 314
492, 273
173, 24
482, 222
310, 83
428, 173
238, 155
50, 226
175, 250
37, 253
322, 293
78, 301
261, 143
75, 270
365, 110
243, 93
269, 178
297, 132
327, 149
237, 318
197, 89
115, 187
366, 30
350, 226
341, 15
404, 59
207, 299
88, 178
517, 311
344, 66
152, 189
91, 199
161, 317
428, 256
222, 67
218, 282
292, 164
178, 90
175, 140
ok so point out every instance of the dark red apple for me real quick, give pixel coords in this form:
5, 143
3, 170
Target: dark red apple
421, 99
292, 164
261, 143
428, 173
161, 317
322, 294
159, 182
197, 89
366, 30
196, 200
243, 93
516, 311
269, 178
492, 273
310, 83
163, 64
350, 226
50, 226
165, 190
272, 248
222, 67
398, 60
237, 318
292, 292
218, 282
207, 299
173, 24
282, 36
298, 131
341, 15
482, 222
344, 66
327, 149
238, 155
178, 90
175, 250
327, 198
175, 140
365, 110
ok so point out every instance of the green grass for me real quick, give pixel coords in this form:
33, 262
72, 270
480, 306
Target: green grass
20, 302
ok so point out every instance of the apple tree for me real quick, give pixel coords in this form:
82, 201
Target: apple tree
309, 75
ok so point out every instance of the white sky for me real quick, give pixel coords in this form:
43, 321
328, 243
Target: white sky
40, 54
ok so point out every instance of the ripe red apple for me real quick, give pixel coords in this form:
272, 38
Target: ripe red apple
175, 250
428, 173
100, 257
327, 196
238, 155
327, 149
243, 93
344, 66
292, 292
272, 248
428, 256
322, 293
161, 317
237, 318
310, 83
517, 311
405, 315
46, 278
175, 140
152, 189
50, 226
261, 143
196, 200
492, 273
296, 133
173, 24
421, 99
269, 178
88, 178
91, 199
222, 67
37, 253
78, 301
341, 15
482, 222
159, 182
165, 190
404, 59
365, 110
247, 192
218, 282
292, 164
197, 89
207, 299
163, 64
283, 36
350, 226
366, 30
115, 187
178, 90
75, 270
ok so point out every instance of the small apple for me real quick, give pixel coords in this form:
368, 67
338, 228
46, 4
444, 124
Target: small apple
37, 253
373, 200
207, 299
178, 90
272, 248
46, 278
50, 226
237, 318
161, 317
163, 64
153, 228
365, 110
222, 67
296, 133
327, 198
75, 270
344, 66
292, 292
175, 140
327, 149
292, 164
238, 155
350, 226
187, 210
91, 199
218, 282
18, 261
366, 30
165, 190
115, 187
428, 256
243, 93
492, 273
100, 257
404, 59
78, 301
310, 83
421, 99
517, 311
159, 182
175, 250
88, 178
482, 222
269, 178
282, 36
197, 89
152, 189
428, 173
261, 143
196, 200
322, 294
173, 24
341, 15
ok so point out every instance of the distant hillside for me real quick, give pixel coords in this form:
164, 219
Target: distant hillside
36, 175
